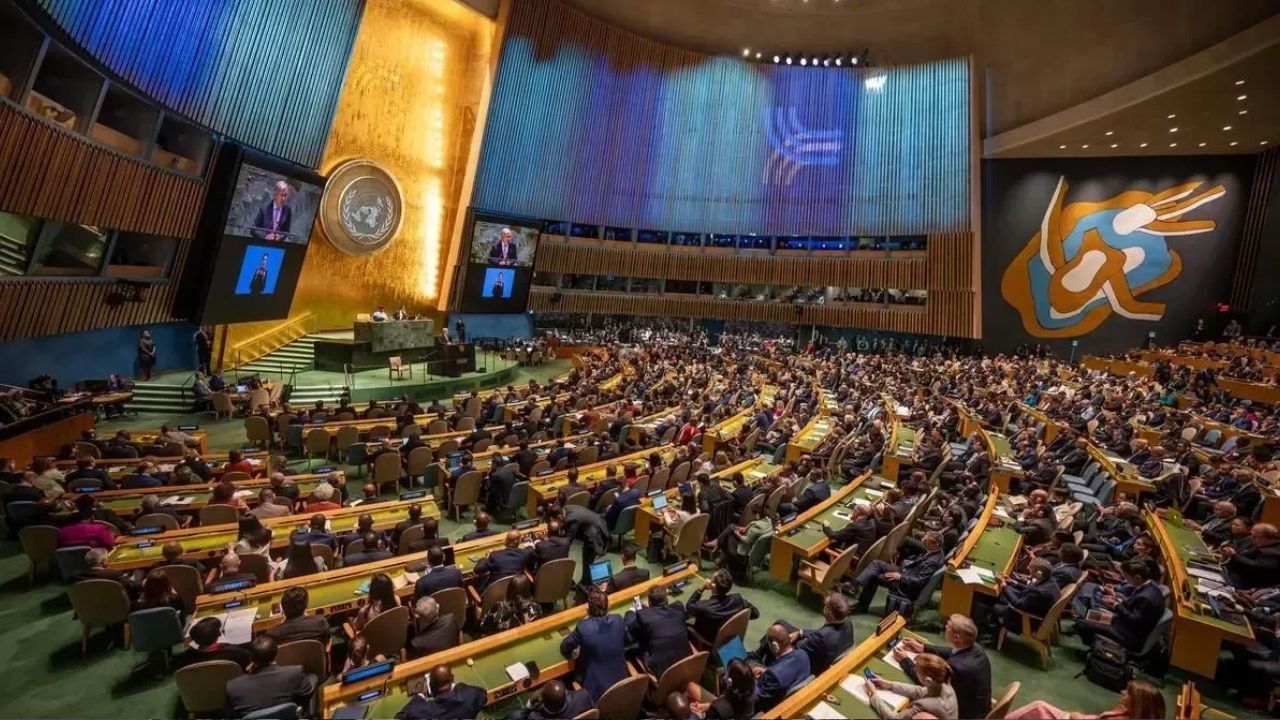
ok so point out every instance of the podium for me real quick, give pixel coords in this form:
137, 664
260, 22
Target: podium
395, 334
373, 344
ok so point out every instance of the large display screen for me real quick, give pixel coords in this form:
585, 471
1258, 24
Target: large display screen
253, 273
500, 264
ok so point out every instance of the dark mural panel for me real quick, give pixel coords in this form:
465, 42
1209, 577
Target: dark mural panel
1105, 251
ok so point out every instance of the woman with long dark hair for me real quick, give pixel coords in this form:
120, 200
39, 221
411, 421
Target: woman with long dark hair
253, 538
381, 598
737, 699
299, 561
158, 592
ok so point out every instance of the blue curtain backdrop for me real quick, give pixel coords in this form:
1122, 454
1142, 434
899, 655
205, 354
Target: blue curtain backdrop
592, 124
264, 72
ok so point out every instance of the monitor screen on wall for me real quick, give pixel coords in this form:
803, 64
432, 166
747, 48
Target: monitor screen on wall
499, 266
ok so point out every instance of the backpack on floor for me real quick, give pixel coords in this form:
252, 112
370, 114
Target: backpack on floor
1107, 664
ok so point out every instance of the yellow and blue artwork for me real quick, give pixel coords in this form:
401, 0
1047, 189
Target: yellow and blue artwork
1090, 260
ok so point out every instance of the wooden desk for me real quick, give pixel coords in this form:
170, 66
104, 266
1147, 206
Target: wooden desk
126, 502
209, 543
813, 434
1004, 464
335, 591
47, 440
214, 460
898, 453
483, 662
753, 472
803, 538
1191, 707
867, 654
730, 427
544, 489
993, 548
1197, 634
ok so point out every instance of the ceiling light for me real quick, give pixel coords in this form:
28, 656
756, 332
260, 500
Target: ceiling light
1114, 145
757, 57
1062, 147
1142, 144
1172, 116
1226, 127
1239, 82
1264, 142
776, 59
1173, 144
1203, 144
853, 60
1084, 146
788, 59
746, 52
1243, 112
1241, 97
804, 61
1110, 133
837, 65
1173, 129
1234, 143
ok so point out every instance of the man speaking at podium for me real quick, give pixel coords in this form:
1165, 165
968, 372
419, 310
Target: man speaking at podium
275, 217
504, 251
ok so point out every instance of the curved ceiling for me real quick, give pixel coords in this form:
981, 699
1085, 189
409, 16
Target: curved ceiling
1037, 57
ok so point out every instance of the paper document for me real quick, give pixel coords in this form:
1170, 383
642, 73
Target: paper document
862, 501
243, 493
401, 580
874, 493
823, 711
890, 659
1000, 513
1203, 574
971, 576
856, 685
517, 672
237, 625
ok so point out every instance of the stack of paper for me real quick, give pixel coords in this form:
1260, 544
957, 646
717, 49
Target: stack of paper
874, 494
823, 711
856, 685
976, 576
517, 672
891, 659
1203, 574
243, 493
237, 625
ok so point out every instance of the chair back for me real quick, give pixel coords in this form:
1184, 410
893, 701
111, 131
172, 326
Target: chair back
467, 423
467, 490
642, 485
680, 474
257, 565
893, 540
589, 456
222, 403
355, 547
518, 498
218, 515
623, 699
554, 580
323, 552
185, 581
411, 535
689, 541
839, 566
83, 484
388, 632
481, 445
1157, 634
346, 436
452, 601
1049, 625
257, 430
472, 408
235, 476
751, 511
626, 520
155, 629
259, 398
735, 626
71, 562
396, 361
283, 423
203, 686
318, 441
493, 594
678, 676
99, 603
759, 551
386, 469
606, 500
379, 432
417, 462
437, 427
357, 453
1001, 708
930, 587
871, 555
580, 498
86, 449
39, 542
168, 522
775, 499
659, 479
283, 711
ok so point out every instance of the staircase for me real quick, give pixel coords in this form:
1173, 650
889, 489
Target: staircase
295, 357
13, 256
305, 396
161, 397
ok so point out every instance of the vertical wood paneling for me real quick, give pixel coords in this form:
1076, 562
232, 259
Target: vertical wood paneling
1251, 235
265, 72
49, 172
624, 131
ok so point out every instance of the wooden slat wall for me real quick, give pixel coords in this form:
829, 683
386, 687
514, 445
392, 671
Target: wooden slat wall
1251, 237
50, 172
945, 271
265, 72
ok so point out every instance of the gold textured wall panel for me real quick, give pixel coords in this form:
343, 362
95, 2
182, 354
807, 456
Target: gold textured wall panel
409, 103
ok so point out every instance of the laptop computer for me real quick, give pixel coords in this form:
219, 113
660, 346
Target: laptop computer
601, 571
659, 502
732, 650
453, 460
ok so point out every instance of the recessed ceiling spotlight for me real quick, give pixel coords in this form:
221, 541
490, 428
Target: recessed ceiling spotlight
1142, 144
1203, 144
853, 60
1062, 147
1084, 146
837, 65
1173, 129
1226, 127
776, 59
1173, 144
1241, 97
1172, 115
757, 57
1264, 142
1115, 145
746, 52
1243, 112
1110, 133
1238, 82
1234, 143
788, 59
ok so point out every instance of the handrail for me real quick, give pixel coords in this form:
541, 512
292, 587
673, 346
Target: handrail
272, 331
269, 341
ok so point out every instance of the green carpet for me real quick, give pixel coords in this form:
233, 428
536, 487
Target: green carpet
45, 676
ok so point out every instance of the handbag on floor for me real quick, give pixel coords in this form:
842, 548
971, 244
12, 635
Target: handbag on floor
1107, 664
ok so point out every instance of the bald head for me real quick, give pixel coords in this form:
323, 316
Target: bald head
513, 538
553, 696
441, 678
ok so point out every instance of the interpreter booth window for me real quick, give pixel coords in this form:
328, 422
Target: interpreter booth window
181, 146
611, 283
65, 91
142, 257
755, 242
848, 295
18, 234
831, 244
717, 240
617, 234
652, 237
648, 286
793, 243
580, 282
682, 287
125, 122
869, 244
542, 279
555, 227
68, 249
580, 230
895, 296
20, 43
906, 243
682, 239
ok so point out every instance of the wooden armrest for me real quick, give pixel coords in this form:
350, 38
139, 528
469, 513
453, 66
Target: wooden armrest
698, 639
637, 668
210, 576
474, 596
349, 630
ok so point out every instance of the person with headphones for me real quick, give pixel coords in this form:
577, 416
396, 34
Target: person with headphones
443, 699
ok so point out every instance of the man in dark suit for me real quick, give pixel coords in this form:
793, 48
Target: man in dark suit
1067, 570
1133, 617
508, 561
415, 518
553, 547
96, 569
822, 645
625, 499
503, 252
629, 574
610, 482
268, 684
142, 478
432, 632
970, 668
438, 576
86, 470
1033, 598
587, 527
708, 615
905, 580
482, 530
555, 702
444, 699
275, 218
502, 478
660, 631
741, 494
570, 488
789, 667
298, 624
315, 534
599, 642
1073, 461
525, 457
205, 634
860, 531
817, 491
375, 549
1256, 566
709, 492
